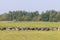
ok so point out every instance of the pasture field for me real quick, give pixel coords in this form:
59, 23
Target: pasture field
29, 24
29, 35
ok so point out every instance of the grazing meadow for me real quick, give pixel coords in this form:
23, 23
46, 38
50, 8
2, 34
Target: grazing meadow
29, 24
29, 35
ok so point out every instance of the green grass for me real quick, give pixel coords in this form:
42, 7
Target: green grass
29, 35
29, 24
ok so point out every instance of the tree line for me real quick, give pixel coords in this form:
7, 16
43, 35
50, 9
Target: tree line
49, 15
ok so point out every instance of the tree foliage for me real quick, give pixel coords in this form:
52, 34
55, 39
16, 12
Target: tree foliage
49, 15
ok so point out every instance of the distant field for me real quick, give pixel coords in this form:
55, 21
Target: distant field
29, 24
29, 35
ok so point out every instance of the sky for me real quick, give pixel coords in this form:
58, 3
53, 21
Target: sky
29, 5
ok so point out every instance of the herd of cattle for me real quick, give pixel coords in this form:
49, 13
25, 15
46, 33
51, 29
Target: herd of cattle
38, 29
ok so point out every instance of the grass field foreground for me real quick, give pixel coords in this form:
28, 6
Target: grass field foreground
29, 35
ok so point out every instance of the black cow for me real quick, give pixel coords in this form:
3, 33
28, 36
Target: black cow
11, 28
3, 28
38, 29
33, 28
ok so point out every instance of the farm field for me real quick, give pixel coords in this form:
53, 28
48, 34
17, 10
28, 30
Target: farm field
29, 24
29, 35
